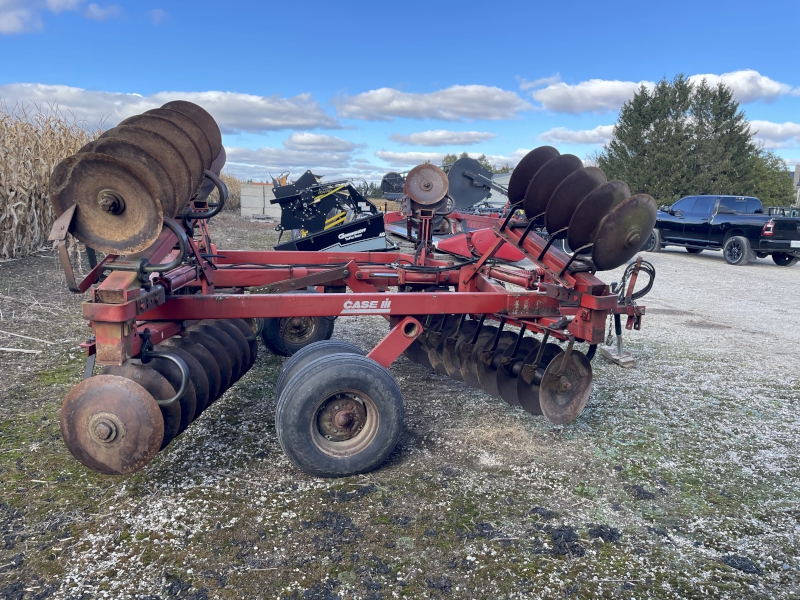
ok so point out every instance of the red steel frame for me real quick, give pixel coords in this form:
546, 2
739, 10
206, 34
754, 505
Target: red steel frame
572, 306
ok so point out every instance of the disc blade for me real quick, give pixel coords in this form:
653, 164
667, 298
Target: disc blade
194, 131
164, 152
206, 361
219, 355
238, 337
200, 116
469, 361
468, 191
528, 380
177, 137
136, 155
111, 424
623, 231
435, 343
563, 397
197, 375
158, 387
487, 371
596, 205
231, 349
508, 370
118, 207
450, 357
546, 180
426, 184
525, 170
568, 195
248, 331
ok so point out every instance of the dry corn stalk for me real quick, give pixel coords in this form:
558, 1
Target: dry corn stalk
33, 140
234, 192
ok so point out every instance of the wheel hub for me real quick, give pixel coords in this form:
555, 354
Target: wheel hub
341, 418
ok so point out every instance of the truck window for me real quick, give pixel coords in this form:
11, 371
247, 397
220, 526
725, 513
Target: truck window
684, 204
754, 206
729, 205
704, 205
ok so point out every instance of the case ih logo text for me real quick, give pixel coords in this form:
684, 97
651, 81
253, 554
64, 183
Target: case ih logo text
366, 306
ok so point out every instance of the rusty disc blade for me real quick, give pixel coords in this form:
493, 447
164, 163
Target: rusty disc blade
248, 332
118, 207
159, 389
568, 195
450, 355
562, 398
509, 368
528, 380
136, 155
194, 131
623, 231
170, 371
596, 205
219, 355
200, 116
206, 361
470, 358
435, 343
238, 337
196, 373
546, 180
111, 424
231, 349
488, 361
525, 170
164, 152
178, 138
426, 184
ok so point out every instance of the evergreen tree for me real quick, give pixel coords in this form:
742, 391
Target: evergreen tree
773, 180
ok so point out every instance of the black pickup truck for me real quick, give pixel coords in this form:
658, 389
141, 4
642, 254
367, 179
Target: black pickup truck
736, 225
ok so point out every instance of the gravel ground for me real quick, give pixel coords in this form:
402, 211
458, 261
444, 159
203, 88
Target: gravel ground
679, 480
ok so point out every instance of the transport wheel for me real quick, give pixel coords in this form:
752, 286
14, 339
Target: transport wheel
309, 354
653, 243
737, 250
339, 415
784, 259
286, 336
694, 250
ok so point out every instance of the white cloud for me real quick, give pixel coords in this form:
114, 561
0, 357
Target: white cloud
595, 95
303, 140
561, 135
456, 103
233, 111
443, 137
58, 6
102, 13
748, 85
158, 16
524, 84
409, 159
777, 135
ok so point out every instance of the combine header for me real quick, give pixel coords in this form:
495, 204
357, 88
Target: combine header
175, 319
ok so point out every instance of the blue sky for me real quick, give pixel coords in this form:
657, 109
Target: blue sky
359, 88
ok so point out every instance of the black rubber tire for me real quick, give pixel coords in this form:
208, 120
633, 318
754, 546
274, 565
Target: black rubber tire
694, 250
309, 354
317, 382
653, 243
275, 341
736, 250
784, 259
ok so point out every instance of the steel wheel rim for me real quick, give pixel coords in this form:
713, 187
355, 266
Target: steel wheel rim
734, 251
336, 428
297, 330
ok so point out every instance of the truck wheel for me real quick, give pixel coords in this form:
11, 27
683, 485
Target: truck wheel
309, 354
784, 259
694, 250
653, 243
737, 250
339, 415
286, 336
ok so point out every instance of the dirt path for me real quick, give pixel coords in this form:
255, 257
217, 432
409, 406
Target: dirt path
679, 480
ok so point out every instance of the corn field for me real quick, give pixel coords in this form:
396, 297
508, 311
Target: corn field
33, 140
234, 184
